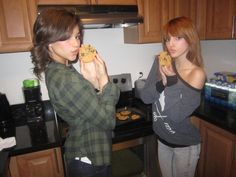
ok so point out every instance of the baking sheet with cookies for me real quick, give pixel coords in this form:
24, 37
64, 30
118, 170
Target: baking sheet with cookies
128, 114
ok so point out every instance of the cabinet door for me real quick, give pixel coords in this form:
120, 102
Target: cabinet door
154, 14
46, 163
16, 20
187, 8
220, 17
216, 153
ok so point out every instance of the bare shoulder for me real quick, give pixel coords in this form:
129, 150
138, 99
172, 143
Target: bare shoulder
197, 77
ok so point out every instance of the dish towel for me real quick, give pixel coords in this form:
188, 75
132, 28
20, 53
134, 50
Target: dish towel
7, 142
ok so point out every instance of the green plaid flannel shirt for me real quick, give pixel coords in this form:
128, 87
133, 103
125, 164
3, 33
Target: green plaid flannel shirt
91, 116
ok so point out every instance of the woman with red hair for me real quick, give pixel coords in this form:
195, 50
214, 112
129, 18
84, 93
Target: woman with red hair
175, 92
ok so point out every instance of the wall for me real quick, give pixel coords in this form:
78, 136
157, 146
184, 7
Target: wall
119, 57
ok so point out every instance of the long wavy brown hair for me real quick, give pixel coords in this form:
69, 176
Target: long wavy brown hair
50, 26
184, 27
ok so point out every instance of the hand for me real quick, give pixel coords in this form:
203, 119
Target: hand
101, 71
88, 70
166, 71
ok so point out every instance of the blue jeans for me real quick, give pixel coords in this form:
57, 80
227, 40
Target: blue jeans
76, 168
178, 162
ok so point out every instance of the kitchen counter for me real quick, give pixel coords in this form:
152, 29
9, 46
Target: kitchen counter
30, 137
218, 115
45, 135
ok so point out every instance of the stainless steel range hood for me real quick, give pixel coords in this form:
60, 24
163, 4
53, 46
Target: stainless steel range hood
103, 16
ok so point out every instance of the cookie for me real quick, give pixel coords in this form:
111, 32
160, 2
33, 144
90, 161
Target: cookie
121, 117
135, 117
87, 53
165, 59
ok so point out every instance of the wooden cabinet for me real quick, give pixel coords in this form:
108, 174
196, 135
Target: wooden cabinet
104, 2
16, 23
220, 22
154, 14
217, 151
188, 8
46, 163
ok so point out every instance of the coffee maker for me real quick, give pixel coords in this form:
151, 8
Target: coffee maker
33, 101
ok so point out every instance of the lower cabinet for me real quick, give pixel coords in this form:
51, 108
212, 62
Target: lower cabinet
46, 163
217, 158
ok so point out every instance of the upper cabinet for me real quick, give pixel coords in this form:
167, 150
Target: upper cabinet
154, 14
94, 2
220, 19
16, 23
214, 19
188, 8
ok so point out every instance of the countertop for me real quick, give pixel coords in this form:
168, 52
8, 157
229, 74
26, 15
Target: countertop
30, 137
218, 115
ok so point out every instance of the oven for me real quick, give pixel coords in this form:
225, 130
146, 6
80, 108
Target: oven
134, 143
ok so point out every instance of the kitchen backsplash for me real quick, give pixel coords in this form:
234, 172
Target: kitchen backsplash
119, 57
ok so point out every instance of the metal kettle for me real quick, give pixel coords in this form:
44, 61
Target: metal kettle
138, 85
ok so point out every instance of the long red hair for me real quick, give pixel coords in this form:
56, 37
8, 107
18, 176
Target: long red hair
184, 27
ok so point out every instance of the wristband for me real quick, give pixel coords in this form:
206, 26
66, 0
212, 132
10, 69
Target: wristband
159, 86
171, 80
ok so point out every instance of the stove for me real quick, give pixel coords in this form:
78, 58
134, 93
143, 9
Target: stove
130, 128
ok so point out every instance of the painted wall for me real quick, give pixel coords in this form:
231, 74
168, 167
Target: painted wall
119, 57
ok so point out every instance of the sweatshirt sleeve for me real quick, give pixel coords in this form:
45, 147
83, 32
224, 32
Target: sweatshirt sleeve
149, 92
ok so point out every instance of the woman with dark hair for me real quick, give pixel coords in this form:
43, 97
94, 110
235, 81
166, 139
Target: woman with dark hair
175, 92
75, 97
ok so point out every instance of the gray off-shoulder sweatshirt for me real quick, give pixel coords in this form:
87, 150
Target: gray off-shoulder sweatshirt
172, 109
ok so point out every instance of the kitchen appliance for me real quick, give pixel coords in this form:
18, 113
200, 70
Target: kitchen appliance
133, 140
103, 16
33, 102
6, 120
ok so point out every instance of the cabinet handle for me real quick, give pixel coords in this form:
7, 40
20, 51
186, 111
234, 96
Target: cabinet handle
233, 27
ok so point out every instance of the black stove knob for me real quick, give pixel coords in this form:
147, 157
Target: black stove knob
115, 81
123, 80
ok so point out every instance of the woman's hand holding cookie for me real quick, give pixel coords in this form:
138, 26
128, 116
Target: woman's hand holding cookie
88, 70
101, 71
